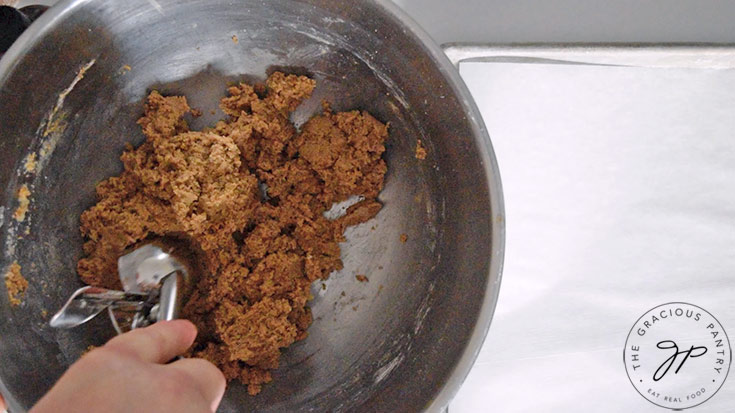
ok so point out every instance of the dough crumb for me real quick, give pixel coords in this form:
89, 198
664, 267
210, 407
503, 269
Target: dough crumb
16, 284
420, 150
23, 202
234, 39
249, 196
362, 278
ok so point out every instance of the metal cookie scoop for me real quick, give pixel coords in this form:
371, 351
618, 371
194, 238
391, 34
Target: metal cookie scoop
153, 281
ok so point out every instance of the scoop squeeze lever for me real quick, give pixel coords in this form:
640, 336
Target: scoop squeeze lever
153, 283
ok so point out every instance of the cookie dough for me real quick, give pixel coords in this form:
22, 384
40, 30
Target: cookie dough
249, 196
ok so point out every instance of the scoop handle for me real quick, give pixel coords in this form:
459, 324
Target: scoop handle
170, 296
87, 302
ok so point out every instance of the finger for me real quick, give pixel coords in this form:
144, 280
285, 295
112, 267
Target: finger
158, 343
206, 377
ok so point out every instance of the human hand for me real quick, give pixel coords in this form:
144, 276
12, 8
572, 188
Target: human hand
129, 374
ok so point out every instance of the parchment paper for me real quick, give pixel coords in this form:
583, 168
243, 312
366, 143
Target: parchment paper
619, 186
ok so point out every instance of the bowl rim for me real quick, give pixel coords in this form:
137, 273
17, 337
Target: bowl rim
496, 257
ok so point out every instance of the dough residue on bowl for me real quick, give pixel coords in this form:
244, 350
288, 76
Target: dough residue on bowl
30, 163
249, 194
23, 203
16, 284
420, 151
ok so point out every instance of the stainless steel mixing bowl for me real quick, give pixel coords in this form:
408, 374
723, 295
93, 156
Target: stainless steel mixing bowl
71, 89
